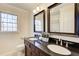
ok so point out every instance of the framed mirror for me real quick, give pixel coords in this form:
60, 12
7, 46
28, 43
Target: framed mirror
39, 22
61, 18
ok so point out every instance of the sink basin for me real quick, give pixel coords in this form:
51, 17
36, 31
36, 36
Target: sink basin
58, 49
33, 39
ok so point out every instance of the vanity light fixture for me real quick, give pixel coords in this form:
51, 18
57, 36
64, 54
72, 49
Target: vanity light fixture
36, 10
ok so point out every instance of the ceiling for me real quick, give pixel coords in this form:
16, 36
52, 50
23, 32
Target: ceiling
25, 6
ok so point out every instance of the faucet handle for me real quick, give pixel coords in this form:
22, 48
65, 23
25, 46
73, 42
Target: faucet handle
61, 42
57, 42
66, 44
59, 39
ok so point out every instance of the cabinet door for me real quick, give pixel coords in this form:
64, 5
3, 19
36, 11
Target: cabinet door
29, 52
35, 50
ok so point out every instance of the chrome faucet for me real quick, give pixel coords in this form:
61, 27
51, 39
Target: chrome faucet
61, 43
66, 44
57, 42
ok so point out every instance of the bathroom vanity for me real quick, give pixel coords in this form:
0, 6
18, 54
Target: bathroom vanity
62, 18
39, 48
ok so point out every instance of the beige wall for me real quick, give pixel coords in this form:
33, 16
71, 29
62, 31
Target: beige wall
9, 41
23, 23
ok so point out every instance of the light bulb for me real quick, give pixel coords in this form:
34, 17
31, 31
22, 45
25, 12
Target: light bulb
34, 11
38, 8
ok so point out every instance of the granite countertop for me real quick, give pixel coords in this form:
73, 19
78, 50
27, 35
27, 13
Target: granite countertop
43, 46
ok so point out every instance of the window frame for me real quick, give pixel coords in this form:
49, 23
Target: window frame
9, 22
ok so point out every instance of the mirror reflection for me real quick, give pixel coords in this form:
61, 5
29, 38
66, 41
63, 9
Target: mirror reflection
39, 21
62, 18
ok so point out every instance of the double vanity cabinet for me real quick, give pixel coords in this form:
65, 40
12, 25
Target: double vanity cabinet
62, 18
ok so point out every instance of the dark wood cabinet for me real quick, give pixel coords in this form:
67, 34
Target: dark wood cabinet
31, 50
28, 51
41, 53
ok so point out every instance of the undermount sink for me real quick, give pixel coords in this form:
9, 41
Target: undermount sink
58, 49
33, 39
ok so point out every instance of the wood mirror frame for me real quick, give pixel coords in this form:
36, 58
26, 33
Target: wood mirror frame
48, 17
43, 11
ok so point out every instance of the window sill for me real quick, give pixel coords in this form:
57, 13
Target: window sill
10, 32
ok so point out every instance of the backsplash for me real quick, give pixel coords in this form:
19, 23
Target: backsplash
67, 38
71, 38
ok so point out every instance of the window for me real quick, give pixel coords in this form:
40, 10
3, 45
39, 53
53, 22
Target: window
8, 22
38, 25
